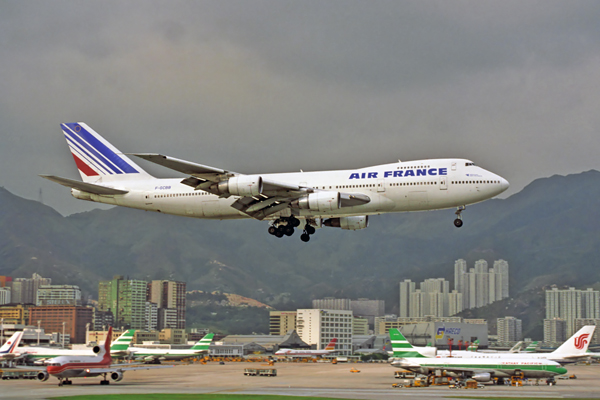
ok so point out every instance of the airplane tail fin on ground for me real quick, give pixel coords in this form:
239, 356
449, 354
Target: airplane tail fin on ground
122, 343
12, 343
473, 346
105, 350
331, 345
204, 343
531, 347
401, 347
97, 159
578, 343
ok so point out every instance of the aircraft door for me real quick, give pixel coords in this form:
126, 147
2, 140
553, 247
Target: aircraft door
443, 183
381, 185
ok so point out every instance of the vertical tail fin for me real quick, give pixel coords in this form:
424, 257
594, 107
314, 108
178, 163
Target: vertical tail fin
105, 350
122, 343
331, 345
578, 343
401, 347
96, 158
531, 347
204, 343
12, 343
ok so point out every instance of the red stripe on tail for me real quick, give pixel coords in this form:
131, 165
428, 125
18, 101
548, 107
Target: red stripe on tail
83, 167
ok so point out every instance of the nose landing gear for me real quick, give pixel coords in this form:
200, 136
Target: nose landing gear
458, 221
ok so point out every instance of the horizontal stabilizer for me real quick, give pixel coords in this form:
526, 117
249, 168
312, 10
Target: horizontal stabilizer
83, 186
176, 164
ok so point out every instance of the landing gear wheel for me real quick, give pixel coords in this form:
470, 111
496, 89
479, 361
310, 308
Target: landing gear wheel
295, 222
305, 237
104, 382
310, 229
272, 230
288, 230
279, 233
458, 223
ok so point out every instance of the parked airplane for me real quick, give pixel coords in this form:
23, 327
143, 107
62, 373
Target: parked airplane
65, 367
483, 370
342, 199
157, 355
308, 353
572, 350
8, 351
41, 354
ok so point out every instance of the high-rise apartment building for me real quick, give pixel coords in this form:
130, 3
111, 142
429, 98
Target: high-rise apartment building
24, 290
318, 327
481, 285
571, 304
169, 294
407, 287
5, 295
126, 299
555, 330
509, 330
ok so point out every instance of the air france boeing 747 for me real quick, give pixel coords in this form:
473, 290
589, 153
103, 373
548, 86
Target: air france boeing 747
342, 199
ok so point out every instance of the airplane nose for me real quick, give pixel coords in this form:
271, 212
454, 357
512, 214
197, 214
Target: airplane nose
504, 184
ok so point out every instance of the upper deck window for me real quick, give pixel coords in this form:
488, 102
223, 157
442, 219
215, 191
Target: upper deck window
470, 164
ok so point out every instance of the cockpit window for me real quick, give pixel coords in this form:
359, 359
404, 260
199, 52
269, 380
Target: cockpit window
470, 164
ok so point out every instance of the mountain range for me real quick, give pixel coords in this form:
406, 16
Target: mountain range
548, 233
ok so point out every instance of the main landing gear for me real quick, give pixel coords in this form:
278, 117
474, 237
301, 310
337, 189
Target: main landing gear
458, 221
64, 382
285, 226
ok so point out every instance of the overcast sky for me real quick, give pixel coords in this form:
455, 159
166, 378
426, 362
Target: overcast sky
276, 86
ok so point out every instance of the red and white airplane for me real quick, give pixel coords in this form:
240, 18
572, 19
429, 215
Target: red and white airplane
65, 367
308, 353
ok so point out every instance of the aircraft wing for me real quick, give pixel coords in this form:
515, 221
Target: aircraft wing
83, 186
275, 196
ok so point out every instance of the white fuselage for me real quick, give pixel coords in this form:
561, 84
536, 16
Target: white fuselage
166, 354
403, 186
302, 353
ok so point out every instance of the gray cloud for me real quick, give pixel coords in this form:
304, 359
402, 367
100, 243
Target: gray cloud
268, 86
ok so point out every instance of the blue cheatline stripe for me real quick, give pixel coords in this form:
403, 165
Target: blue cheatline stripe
84, 156
90, 151
105, 151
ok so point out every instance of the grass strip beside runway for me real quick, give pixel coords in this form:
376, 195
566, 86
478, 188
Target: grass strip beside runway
164, 396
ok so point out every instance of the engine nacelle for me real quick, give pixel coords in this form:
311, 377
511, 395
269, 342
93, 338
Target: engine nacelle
243, 185
482, 377
349, 223
116, 376
320, 201
78, 194
96, 349
42, 376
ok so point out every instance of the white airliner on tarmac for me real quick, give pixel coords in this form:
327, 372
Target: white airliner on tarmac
342, 199
330, 348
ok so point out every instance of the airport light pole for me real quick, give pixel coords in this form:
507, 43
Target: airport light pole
2, 331
63, 336
38, 332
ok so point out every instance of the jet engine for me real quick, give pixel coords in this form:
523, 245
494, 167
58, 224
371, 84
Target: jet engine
243, 185
116, 376
482, 377
348, 223
96, 349
42, 376
319, 201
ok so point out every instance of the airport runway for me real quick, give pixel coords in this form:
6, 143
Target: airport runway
318, 379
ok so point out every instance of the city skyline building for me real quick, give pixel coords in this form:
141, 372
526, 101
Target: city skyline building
481, 285
319, 326
126, 299
58, 295
571, 304
510, 329
24, 290
168, 294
